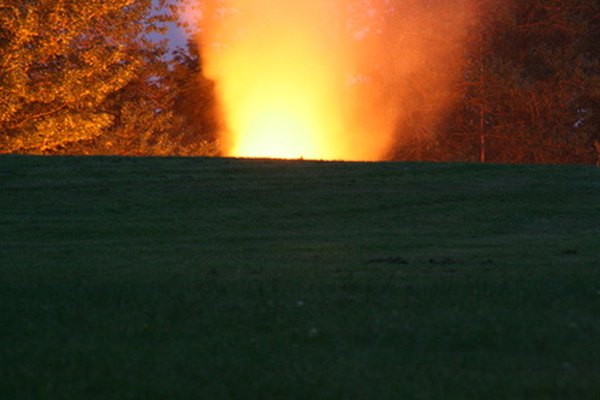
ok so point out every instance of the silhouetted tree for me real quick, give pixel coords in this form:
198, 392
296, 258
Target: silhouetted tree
531, 90
195, 103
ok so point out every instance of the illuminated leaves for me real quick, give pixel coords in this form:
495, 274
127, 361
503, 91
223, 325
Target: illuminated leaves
51, 133
60, 61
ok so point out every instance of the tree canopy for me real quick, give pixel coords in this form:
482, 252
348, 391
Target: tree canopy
531, 87
88, 72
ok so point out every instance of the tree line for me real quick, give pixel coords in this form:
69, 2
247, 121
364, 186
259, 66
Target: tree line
531, 89
97, 77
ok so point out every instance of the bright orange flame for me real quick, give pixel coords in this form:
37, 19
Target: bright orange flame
321, 79
280, 105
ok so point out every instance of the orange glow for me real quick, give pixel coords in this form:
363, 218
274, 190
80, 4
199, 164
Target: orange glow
281, 105
319, 79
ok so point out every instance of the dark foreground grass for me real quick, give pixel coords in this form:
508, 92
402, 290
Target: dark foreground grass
213, 278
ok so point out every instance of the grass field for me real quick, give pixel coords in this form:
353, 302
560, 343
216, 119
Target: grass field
131, 278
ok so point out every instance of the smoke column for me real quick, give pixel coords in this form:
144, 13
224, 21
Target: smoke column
319, 79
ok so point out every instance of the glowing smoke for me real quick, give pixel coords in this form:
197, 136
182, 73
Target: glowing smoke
348, 79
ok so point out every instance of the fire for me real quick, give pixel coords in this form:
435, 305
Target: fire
317, 79
282, 104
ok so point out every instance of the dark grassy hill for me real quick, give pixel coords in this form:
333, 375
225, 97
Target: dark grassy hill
217, 278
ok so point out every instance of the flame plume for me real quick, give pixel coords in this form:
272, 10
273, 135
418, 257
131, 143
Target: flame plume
321, 79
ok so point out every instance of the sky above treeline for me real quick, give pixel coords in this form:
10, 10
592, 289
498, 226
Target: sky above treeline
177, 37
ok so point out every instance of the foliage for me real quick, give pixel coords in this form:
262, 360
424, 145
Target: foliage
86, 77
58, 63
531, 90
167, 110
195, 103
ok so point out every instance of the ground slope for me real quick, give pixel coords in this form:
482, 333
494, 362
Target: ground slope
218, 278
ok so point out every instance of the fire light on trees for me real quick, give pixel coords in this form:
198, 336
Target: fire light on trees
317, 79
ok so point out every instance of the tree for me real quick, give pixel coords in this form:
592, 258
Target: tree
71, 71
531, 90
194, 105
